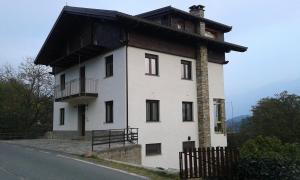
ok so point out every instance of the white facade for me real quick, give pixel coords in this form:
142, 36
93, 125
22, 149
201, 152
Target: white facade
110, 88
216, 91
167, 87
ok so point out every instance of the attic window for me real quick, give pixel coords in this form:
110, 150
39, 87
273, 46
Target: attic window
180, 25
210, 34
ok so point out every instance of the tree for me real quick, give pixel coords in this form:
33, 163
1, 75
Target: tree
277, 116
26, 98
269, 158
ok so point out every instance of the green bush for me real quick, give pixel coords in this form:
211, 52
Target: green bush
269, 158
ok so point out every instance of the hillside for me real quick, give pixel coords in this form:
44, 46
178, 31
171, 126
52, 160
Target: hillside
233, 125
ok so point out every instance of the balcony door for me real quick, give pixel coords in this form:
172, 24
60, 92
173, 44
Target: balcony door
81, 119
82, 79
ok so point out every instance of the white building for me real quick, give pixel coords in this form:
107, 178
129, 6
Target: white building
114, 71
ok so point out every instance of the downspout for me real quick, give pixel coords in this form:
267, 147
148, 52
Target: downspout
126, 61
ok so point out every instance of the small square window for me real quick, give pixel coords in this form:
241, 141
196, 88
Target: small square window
151, 64
187, 145
109, 65
109, 112
153, 149
62, 116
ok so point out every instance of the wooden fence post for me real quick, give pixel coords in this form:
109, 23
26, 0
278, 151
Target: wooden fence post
195, 162
209, 162
185, 164
213, 161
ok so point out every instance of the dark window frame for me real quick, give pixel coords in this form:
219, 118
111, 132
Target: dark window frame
149, 71
62, 116
109, 66
150, 151
151, 110
185, 112
62, 82
189, 144
218, 124
109, 105
181, 23
186, 75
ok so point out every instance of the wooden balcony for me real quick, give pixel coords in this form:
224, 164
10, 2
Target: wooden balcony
77, 89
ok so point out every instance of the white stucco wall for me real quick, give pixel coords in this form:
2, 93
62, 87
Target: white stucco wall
216, 90
170, 90
111, 88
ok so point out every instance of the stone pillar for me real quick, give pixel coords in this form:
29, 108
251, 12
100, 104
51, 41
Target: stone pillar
203, 97
202, 83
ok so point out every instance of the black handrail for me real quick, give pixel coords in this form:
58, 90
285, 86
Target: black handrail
100, 137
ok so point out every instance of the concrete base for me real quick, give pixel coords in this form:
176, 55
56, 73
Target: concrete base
129, 154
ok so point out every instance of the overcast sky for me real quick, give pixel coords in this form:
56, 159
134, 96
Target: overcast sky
269, 28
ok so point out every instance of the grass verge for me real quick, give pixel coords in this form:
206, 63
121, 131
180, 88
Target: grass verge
155, 175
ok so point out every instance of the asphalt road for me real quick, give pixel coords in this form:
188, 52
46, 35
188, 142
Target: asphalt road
22, 163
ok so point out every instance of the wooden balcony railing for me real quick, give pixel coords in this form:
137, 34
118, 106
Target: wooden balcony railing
75, 88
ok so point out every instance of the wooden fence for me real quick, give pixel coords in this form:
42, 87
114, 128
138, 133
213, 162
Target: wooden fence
209, 162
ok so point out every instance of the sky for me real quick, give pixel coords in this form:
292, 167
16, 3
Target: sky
270, 29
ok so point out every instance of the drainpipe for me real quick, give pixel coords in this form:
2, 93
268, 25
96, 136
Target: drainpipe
126, 45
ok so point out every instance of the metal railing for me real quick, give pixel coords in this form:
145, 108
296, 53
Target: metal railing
100, 137
75, 87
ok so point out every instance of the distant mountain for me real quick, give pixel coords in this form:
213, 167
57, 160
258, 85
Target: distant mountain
242, 103
233, 125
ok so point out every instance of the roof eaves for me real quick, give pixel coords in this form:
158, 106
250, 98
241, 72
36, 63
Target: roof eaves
154, 12
107, 14
221, 26
48, 36
231, 46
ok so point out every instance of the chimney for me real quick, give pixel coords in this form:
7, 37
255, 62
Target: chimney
197, 10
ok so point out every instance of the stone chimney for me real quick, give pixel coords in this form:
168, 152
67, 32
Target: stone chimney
197, 10
202, 82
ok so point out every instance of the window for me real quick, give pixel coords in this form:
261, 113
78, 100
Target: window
62, 82
218, 115
109, 65
109, 112
152, 110
151, 64
188, 145
62, 116
153, 149
186, 69
187, 111
180, 25
210, 33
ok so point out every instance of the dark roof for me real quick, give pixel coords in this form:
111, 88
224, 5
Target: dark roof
170, 9
228, 46
123, 18
97, 13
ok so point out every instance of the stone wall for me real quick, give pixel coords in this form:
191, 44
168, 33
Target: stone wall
68, 135
129, 154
